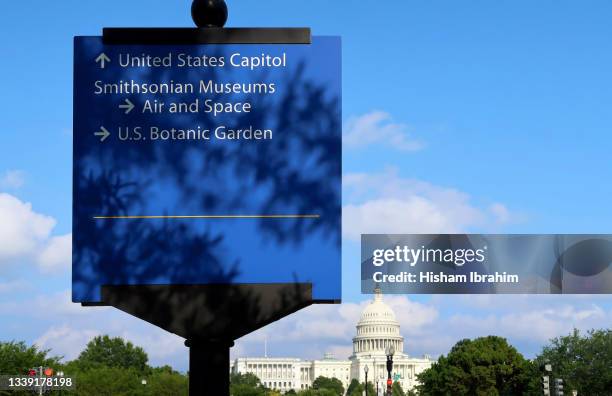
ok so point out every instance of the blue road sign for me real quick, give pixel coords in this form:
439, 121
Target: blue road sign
206, 164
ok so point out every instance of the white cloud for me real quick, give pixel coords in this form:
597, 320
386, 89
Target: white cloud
433, 327
540, 325
65, 341
308, 334
26, 237
57, 254
319, 322
319, 329
14, 286
414, 317
392, 216
386, 203
12, 179
534, 325
159, 345
500, 212
68, 327
69, 340
527, 321
22, 230
44, 306
377, 128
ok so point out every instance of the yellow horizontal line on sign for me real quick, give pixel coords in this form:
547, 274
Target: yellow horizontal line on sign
297, 216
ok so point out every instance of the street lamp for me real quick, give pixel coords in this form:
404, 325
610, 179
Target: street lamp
60, 374
143, 382
547, 368
366, 381
389, 351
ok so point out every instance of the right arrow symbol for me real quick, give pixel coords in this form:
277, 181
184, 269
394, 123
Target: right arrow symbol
103, 133
102, 59
128, 106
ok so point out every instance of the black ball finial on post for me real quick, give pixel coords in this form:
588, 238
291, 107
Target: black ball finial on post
209, 13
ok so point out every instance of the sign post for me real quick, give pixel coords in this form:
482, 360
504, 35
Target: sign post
207, 173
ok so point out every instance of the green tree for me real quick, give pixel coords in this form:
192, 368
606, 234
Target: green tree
246, 385
246, 390
317, 392
110, 381
112, 352
352, 386
357, 389
245, 379
163, 369
166, 382
332, 384
583, 362
397, 389
16, 358
120, 371
486, 366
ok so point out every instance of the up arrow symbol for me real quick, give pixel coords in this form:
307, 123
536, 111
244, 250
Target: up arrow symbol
102, 59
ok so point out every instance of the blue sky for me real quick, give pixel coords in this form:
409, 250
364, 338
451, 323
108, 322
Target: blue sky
499, 114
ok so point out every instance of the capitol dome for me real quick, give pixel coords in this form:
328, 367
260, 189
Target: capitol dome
377, 329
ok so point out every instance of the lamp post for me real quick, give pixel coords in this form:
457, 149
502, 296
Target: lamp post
547, 368
389, 351
365, 369
60, 374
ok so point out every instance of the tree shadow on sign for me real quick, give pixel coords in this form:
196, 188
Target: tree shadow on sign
185, 275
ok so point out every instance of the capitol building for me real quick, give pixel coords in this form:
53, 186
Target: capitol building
376, 329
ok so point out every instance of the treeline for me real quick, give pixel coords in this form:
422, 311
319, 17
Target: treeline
483, 366
490, 366
107, 366
249, 385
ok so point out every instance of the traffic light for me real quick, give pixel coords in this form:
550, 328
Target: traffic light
559, 387
546, 385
